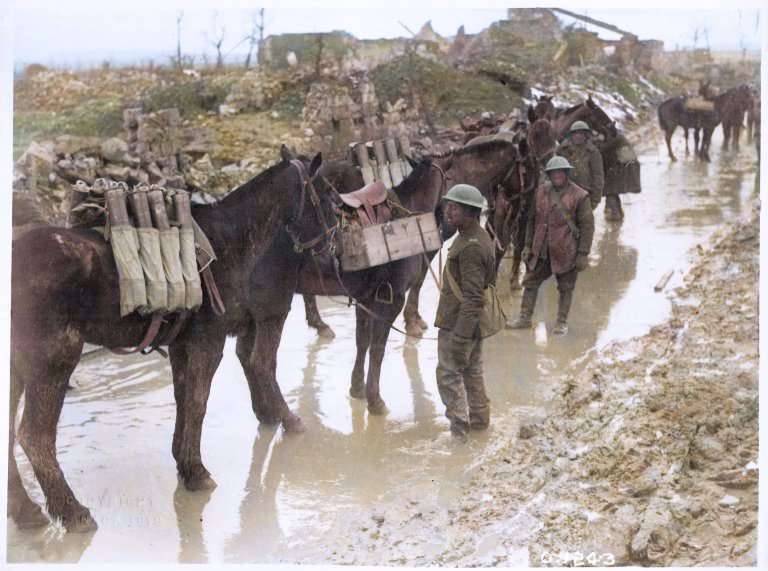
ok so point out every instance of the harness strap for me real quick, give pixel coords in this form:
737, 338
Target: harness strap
217, 304
149, 337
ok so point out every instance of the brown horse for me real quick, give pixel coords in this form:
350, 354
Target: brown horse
486, 165
562, 119
731, 108
672, 113
63, 294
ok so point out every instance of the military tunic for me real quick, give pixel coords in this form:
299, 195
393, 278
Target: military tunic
472, 263
587, 167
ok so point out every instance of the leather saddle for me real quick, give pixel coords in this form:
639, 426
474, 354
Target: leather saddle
369, 203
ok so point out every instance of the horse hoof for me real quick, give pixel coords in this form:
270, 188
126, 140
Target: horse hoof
79, 522
414, 330
378, 407
294, 425
200, 484
357, 392
326, 332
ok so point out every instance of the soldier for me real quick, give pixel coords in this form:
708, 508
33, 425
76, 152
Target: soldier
586, 160
557, 241
472, 265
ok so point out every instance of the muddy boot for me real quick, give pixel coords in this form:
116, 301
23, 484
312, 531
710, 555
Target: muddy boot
479, 407
459, 430
613, 210
526, 310
563, 307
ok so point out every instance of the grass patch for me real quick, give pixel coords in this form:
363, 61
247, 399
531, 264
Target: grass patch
446, 94
92, 118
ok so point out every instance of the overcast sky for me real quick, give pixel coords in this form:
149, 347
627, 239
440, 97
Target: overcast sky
87, 31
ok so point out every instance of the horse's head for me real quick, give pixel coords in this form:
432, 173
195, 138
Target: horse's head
541, 140
313, 225
544, 108
599, 119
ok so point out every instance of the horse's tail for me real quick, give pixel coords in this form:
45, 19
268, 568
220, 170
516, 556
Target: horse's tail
662, 121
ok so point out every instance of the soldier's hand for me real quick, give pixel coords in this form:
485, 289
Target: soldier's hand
582, 262
461, 348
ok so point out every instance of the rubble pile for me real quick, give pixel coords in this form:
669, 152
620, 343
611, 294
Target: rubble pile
650, 454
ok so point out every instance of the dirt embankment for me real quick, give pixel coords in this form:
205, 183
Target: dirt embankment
649, 454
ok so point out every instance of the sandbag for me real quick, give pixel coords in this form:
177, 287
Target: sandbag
174, 276
183, 210
151, 260
125, 247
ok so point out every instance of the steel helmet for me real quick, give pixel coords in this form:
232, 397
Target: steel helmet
465, 194
579, 126
557, 163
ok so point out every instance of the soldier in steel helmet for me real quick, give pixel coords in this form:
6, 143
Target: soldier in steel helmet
586, 160
557, 241
471, 262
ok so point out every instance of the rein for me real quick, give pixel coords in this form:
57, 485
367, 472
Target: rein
328, 231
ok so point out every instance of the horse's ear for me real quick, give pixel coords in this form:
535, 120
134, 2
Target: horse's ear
285, 153
531, 114
314, 166
411, 161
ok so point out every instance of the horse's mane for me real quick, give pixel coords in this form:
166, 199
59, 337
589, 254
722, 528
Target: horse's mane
570, 109
486, 146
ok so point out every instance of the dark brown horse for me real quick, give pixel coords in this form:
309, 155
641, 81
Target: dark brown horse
731, 107
672, 113
64, 293
485, 165
562, 119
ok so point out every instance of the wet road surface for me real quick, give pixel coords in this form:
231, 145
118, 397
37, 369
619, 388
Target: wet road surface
302, 499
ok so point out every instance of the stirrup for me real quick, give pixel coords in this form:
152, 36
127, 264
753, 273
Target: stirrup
390, 292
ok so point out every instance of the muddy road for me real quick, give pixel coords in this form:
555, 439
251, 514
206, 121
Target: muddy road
356, 488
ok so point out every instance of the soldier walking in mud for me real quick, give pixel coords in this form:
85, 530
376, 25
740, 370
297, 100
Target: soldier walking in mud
472, 267
557, 241
586, 160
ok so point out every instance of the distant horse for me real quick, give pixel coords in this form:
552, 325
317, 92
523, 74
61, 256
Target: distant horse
673, 113
731, 107
64, 286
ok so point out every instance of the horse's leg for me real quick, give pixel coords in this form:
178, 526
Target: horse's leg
194, 359
379, 334
261, 371
668, 138
736, 135
48, 367
313, 317
685, 132
414, 324
696, 149
363, 341
246, 347
726, 135
24, 512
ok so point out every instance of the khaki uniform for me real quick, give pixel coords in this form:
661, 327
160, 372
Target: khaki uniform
587, 167
472, 263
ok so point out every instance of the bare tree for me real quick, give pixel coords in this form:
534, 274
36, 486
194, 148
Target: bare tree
179, 17
217, 40
255, 38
